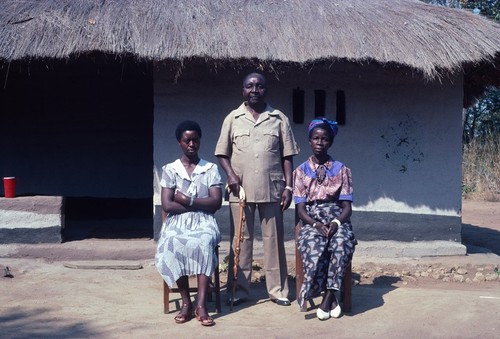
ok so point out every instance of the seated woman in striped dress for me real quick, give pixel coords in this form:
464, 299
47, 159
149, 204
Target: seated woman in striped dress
190, 195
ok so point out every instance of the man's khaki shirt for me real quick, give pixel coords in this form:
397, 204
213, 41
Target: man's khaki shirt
256, 150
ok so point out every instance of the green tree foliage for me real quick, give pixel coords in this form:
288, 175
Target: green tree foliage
488, 8
483, 118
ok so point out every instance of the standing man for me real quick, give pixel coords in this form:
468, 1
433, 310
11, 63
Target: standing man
256, 148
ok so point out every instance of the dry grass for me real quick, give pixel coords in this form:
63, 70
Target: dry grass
481, 169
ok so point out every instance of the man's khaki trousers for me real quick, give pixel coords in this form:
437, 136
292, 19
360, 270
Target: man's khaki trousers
271, 222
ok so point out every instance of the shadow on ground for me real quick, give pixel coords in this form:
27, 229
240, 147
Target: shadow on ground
480, 239
39, 323
366, 297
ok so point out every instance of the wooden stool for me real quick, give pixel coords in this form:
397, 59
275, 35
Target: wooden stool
345, 291
213, 288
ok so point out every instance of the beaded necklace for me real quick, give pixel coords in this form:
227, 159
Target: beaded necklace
321, 171
321, 174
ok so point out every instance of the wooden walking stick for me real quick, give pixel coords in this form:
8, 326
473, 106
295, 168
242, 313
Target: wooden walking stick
238, 240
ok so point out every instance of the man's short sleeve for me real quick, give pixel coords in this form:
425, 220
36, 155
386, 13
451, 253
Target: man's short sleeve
290, 146
225, 142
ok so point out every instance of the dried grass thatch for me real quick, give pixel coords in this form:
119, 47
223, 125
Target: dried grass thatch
430, 39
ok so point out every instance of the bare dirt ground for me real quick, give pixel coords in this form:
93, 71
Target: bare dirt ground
113, 298
481, 236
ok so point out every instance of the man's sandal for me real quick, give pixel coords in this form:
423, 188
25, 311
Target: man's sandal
205, 320
185, 314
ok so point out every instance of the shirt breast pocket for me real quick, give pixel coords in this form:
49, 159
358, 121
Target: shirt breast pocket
272, 141
242, 139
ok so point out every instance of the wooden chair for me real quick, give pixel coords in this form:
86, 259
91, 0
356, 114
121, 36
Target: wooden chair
346, 290
213, 288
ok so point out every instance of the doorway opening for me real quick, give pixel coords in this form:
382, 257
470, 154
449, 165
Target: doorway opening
107, 218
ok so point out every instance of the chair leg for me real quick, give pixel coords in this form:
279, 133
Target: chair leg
166, 298
346, 293
218, 307
299, 267
214, 286
299, 277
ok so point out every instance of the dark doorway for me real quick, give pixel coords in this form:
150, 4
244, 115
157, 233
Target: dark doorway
107, 218
82, 129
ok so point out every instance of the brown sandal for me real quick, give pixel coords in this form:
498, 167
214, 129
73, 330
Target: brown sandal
185, 314
205, 319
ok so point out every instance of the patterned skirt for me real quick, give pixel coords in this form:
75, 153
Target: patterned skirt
186, 246
325, 260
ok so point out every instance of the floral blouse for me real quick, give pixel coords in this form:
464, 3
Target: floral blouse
331, 181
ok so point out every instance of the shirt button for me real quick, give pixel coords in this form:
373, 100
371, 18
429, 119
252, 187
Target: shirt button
256, 171
256, 139
256, 155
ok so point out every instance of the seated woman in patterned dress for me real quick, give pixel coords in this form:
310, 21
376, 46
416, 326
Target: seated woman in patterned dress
190, 195
323, 195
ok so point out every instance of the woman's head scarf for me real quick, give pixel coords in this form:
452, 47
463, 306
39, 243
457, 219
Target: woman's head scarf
325, 124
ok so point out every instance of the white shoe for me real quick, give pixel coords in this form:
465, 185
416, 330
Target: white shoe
322, 315
336, 312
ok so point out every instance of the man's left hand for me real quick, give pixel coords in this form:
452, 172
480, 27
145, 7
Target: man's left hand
286, 200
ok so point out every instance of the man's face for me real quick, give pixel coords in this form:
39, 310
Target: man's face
254, 89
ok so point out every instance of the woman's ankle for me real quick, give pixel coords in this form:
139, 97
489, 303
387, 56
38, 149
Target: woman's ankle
186, 302
329, 301
201, 310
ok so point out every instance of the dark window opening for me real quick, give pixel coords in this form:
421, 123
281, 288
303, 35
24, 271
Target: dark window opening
340, 109
319, 103
298, 106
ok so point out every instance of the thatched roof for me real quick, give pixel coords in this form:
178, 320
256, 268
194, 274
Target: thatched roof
433, 40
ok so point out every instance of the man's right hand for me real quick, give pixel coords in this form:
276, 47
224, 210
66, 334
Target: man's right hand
233, 182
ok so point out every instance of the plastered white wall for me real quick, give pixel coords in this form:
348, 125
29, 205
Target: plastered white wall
402, 137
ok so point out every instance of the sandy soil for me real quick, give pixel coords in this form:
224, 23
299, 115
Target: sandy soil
480, 234
48, 298
481, 213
